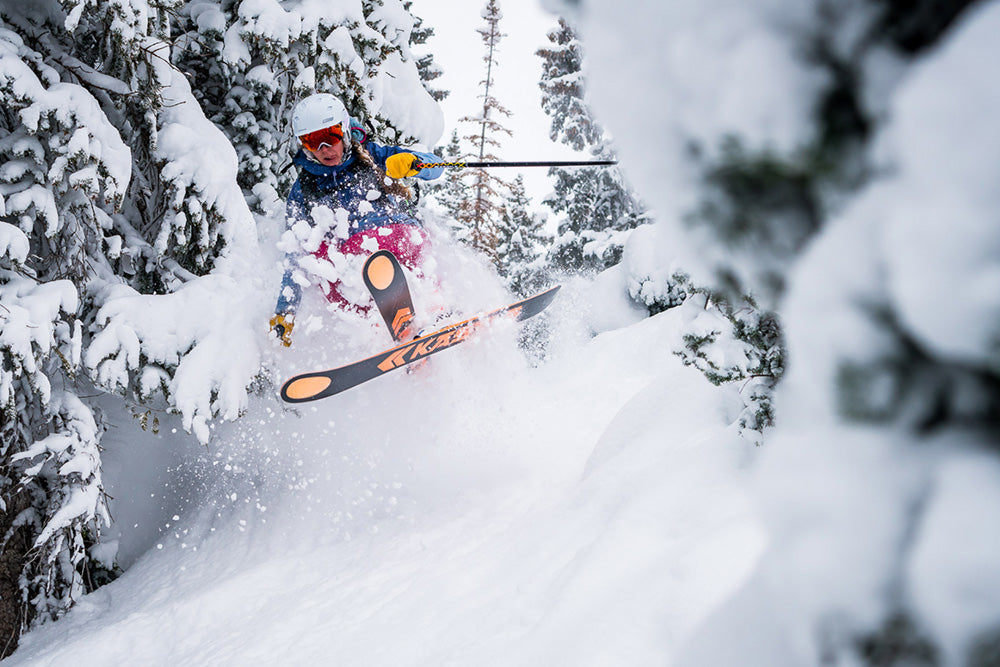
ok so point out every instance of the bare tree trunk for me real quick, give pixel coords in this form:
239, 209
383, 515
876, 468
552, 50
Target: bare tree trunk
13, 552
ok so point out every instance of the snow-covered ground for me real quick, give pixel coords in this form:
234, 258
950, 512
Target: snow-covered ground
590, 510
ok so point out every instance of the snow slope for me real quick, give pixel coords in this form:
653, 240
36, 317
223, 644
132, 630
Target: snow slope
590, 510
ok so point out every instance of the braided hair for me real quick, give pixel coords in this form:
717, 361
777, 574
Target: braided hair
388, 185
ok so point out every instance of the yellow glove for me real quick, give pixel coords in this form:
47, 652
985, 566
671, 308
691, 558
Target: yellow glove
400, 165
282, 325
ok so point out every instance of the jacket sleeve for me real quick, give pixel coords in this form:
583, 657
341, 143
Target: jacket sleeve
381, 153
290, 294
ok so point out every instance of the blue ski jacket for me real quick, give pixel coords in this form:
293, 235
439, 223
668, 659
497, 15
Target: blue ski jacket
352, 186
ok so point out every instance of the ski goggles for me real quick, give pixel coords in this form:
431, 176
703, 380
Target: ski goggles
327, 136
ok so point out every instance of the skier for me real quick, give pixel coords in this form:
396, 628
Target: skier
340, 169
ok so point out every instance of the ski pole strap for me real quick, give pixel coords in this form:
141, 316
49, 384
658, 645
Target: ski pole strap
463, 165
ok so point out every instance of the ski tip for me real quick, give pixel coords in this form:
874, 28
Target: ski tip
551, 292
537, 303
380, 270
305, 388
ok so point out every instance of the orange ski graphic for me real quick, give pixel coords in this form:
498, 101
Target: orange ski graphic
387, 283
401, 323
313, 386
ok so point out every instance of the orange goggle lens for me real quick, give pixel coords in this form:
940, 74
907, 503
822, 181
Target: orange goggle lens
328, 135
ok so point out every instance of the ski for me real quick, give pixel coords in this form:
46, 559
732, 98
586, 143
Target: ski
386, 281
320, 384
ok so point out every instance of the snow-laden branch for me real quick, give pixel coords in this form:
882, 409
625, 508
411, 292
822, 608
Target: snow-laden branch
195, 347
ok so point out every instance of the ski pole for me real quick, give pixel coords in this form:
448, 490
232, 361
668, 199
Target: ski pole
463, 165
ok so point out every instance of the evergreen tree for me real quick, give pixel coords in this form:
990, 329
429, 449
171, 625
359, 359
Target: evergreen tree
69, 223
596, 204
735, 344
599, 211
426, 67
123, 225
450, 190
877, 383
480, 213
523, 241
764, 206
248, 75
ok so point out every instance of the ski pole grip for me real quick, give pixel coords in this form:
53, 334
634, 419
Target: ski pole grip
424, 165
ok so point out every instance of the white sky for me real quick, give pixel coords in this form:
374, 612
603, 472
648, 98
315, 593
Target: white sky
458, 49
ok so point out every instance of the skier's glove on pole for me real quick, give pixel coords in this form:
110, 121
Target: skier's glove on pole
282, 328
401, 165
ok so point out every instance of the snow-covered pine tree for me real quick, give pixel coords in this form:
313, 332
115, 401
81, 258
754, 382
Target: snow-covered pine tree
428, 69
763, 208
733, 342
597, 206
267, 57
126, 241
450, 191
480, 212
251, 65
523, 242
600, 210
64, 179
855, 199
735, 345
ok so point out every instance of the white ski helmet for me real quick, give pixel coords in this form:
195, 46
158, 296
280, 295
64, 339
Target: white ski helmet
320, 111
